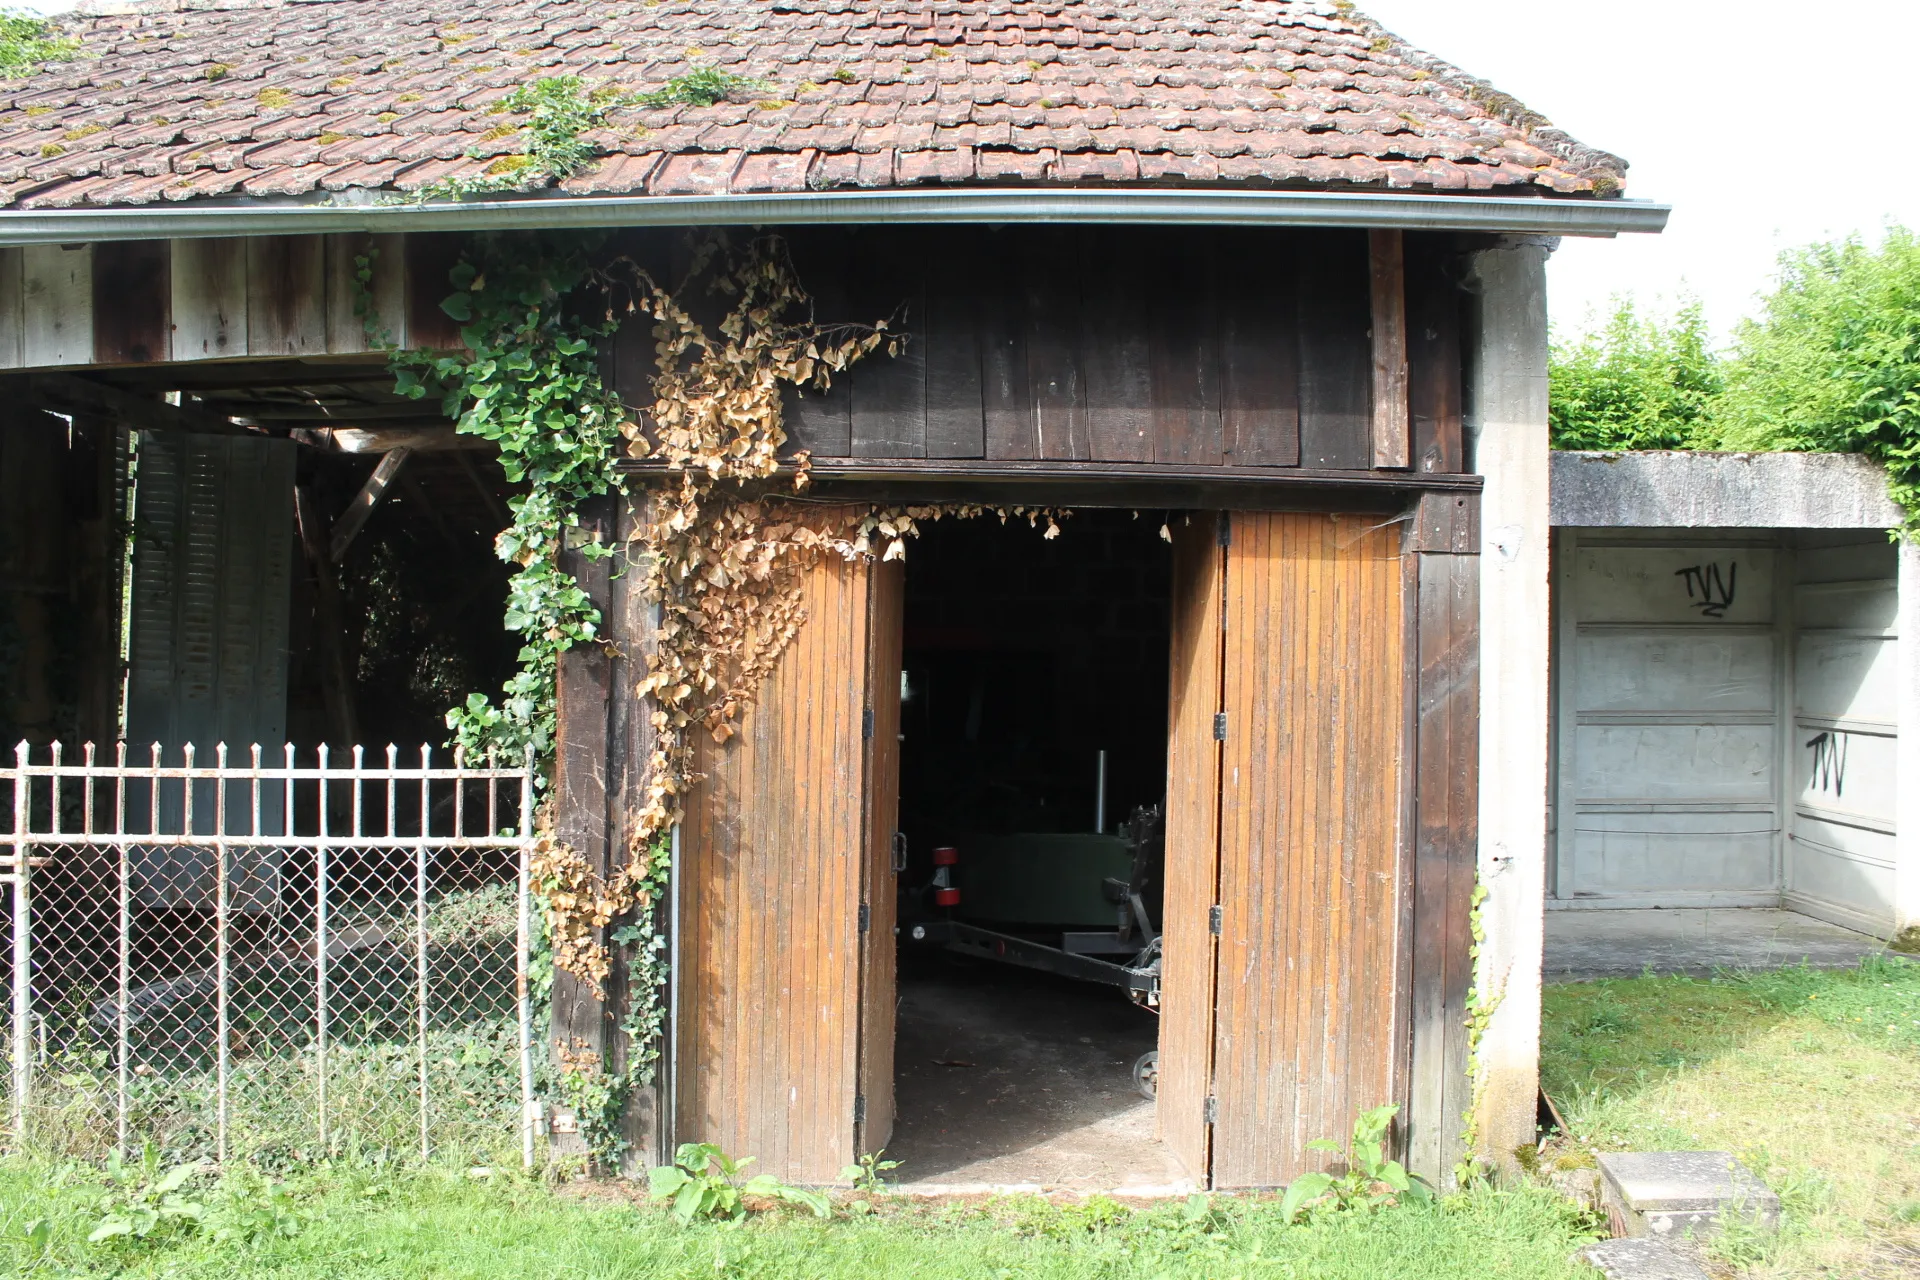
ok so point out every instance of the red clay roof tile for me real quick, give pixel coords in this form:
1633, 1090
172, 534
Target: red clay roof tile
188, 99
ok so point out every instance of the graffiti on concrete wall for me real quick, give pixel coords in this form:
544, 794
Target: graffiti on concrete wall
1708, 589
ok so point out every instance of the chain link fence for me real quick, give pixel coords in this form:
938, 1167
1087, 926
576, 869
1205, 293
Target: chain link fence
267, 960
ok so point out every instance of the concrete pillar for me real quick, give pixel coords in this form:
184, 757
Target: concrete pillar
1906, 840
1507, 436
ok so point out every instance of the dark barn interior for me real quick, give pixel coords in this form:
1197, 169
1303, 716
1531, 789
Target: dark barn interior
1025, 658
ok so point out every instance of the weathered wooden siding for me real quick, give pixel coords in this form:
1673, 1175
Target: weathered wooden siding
1311, 872
1444, 560
770, 893
1222, 347
151, 301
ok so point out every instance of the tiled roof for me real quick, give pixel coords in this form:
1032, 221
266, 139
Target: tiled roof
316, 99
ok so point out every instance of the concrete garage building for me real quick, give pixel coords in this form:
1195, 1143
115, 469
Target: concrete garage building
1733, 666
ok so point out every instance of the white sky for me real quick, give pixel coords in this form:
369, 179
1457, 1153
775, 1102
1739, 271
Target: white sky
1764, 124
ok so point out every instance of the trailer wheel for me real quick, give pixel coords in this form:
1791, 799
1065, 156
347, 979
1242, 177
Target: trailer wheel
1146, 1073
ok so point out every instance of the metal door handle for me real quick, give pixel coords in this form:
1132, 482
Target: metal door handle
899, 852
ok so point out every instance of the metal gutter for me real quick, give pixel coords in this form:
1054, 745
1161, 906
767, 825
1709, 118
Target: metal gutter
1158, 206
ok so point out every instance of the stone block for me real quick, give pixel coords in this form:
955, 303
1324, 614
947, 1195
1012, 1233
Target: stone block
1644, 1259
1680, 1193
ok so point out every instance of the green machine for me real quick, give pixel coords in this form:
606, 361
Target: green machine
1041, 878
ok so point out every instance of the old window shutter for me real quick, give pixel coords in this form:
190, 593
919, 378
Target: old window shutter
207, 657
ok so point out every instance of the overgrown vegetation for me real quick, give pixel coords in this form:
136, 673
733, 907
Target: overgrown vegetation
1371, 1181
1640, 382
1832, 363
559, 112
357, 1222
1809, 1077
29, 41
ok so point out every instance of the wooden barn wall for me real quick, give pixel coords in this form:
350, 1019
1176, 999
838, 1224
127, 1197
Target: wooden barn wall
1175, 346
153, 301
1317, 349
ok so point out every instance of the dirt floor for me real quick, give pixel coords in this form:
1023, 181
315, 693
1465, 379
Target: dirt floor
1005, 1078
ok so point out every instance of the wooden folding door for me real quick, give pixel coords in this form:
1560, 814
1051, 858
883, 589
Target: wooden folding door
785, 925
1284, 936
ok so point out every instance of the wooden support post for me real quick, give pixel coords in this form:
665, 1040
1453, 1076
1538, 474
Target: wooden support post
329, 621
1443, 543
1392, 446
360, 510
584, 1014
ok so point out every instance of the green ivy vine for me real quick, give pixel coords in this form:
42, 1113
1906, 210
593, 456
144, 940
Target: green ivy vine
529, 381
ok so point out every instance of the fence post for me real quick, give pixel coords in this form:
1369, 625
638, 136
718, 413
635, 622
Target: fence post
22, 950
420, 927
320, 950
523, 946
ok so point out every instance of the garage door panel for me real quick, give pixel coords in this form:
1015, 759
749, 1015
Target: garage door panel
1633, 853
1674, 584
1846, 677
1844, 772
1618, 671
1870, 605
1855, 884
1671, 763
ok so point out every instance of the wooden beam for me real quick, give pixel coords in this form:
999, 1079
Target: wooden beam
1392, 440
355, 517
72, 393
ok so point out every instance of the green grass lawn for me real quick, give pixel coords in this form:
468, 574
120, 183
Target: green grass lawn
355, 1224
1814, 1078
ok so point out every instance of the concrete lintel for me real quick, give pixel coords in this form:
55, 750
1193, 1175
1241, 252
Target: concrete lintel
1673, 490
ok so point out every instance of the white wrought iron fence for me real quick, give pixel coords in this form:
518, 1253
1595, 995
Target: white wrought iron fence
268, 959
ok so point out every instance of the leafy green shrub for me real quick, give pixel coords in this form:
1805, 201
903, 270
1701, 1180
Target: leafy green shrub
1638, 383
1833, 362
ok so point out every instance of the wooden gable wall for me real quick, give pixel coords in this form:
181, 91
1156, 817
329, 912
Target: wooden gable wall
153, 301
1315, 350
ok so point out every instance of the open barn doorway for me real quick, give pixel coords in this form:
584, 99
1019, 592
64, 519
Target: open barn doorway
1033, 764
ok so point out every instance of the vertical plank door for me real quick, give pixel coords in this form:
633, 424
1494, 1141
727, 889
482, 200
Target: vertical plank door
771, 887
1306, 1025
880, 900
1187, 966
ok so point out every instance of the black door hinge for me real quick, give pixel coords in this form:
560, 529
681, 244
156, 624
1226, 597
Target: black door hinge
866, 724
1219, 726
859, 1108
1215, 918
866, 917
1212, 1111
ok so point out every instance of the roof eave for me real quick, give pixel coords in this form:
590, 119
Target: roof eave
1528, 215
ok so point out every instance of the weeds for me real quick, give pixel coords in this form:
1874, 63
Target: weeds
703, 1183
1371, 1181
149, 1205
700, 87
